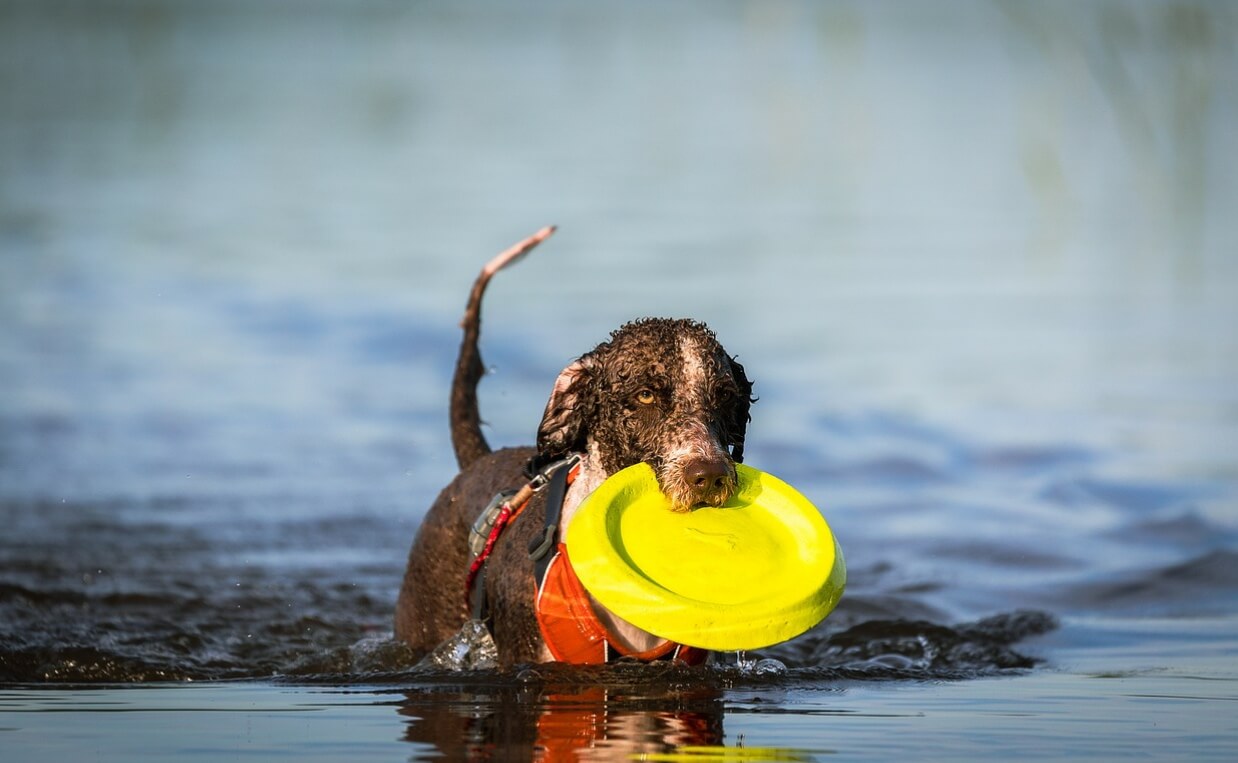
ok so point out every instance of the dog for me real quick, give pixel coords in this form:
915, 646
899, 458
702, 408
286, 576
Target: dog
659, 391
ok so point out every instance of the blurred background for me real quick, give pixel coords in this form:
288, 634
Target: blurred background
979, 257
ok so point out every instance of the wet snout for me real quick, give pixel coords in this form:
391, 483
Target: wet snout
697, 470
710, 480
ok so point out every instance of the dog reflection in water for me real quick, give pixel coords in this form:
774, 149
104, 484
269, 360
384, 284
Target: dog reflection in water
561, 724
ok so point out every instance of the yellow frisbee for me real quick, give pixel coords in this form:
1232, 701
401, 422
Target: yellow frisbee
756, 571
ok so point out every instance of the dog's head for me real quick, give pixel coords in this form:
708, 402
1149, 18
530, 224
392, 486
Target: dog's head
660, 391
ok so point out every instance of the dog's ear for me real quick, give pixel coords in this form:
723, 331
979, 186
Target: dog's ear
737, 423
564, 424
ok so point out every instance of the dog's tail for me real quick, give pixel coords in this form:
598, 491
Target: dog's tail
466, 436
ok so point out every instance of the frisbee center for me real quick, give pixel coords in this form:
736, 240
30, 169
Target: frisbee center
717, 556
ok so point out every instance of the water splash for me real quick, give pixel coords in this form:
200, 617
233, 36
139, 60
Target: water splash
758, 666
472, 648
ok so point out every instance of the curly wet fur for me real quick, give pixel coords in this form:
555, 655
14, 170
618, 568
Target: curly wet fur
699, 409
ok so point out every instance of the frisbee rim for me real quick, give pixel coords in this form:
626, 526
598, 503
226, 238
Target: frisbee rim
605, 566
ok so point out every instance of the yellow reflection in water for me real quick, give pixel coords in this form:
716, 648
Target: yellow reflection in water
709, 753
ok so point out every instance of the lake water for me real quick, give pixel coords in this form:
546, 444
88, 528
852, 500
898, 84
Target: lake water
979, 258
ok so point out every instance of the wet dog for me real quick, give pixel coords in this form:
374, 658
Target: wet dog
660, 391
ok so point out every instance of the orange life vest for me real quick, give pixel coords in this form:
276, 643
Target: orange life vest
573, 632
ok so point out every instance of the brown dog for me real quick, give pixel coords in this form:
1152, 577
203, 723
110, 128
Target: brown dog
660, 391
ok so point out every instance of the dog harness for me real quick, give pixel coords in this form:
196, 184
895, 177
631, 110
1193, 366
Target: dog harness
569, 625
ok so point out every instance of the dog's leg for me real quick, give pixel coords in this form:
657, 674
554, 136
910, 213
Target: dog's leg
466, 435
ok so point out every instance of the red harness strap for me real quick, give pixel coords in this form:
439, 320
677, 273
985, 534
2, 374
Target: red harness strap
506, 515
572, 630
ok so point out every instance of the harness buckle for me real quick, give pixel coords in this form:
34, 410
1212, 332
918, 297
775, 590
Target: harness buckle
479, 533
540, 545
542, 478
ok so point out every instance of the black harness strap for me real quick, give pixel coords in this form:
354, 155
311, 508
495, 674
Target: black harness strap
477, 597
540, 547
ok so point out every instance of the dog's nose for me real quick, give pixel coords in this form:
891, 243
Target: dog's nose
710, 480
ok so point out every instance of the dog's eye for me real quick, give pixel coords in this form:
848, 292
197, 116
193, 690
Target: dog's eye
645, 397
